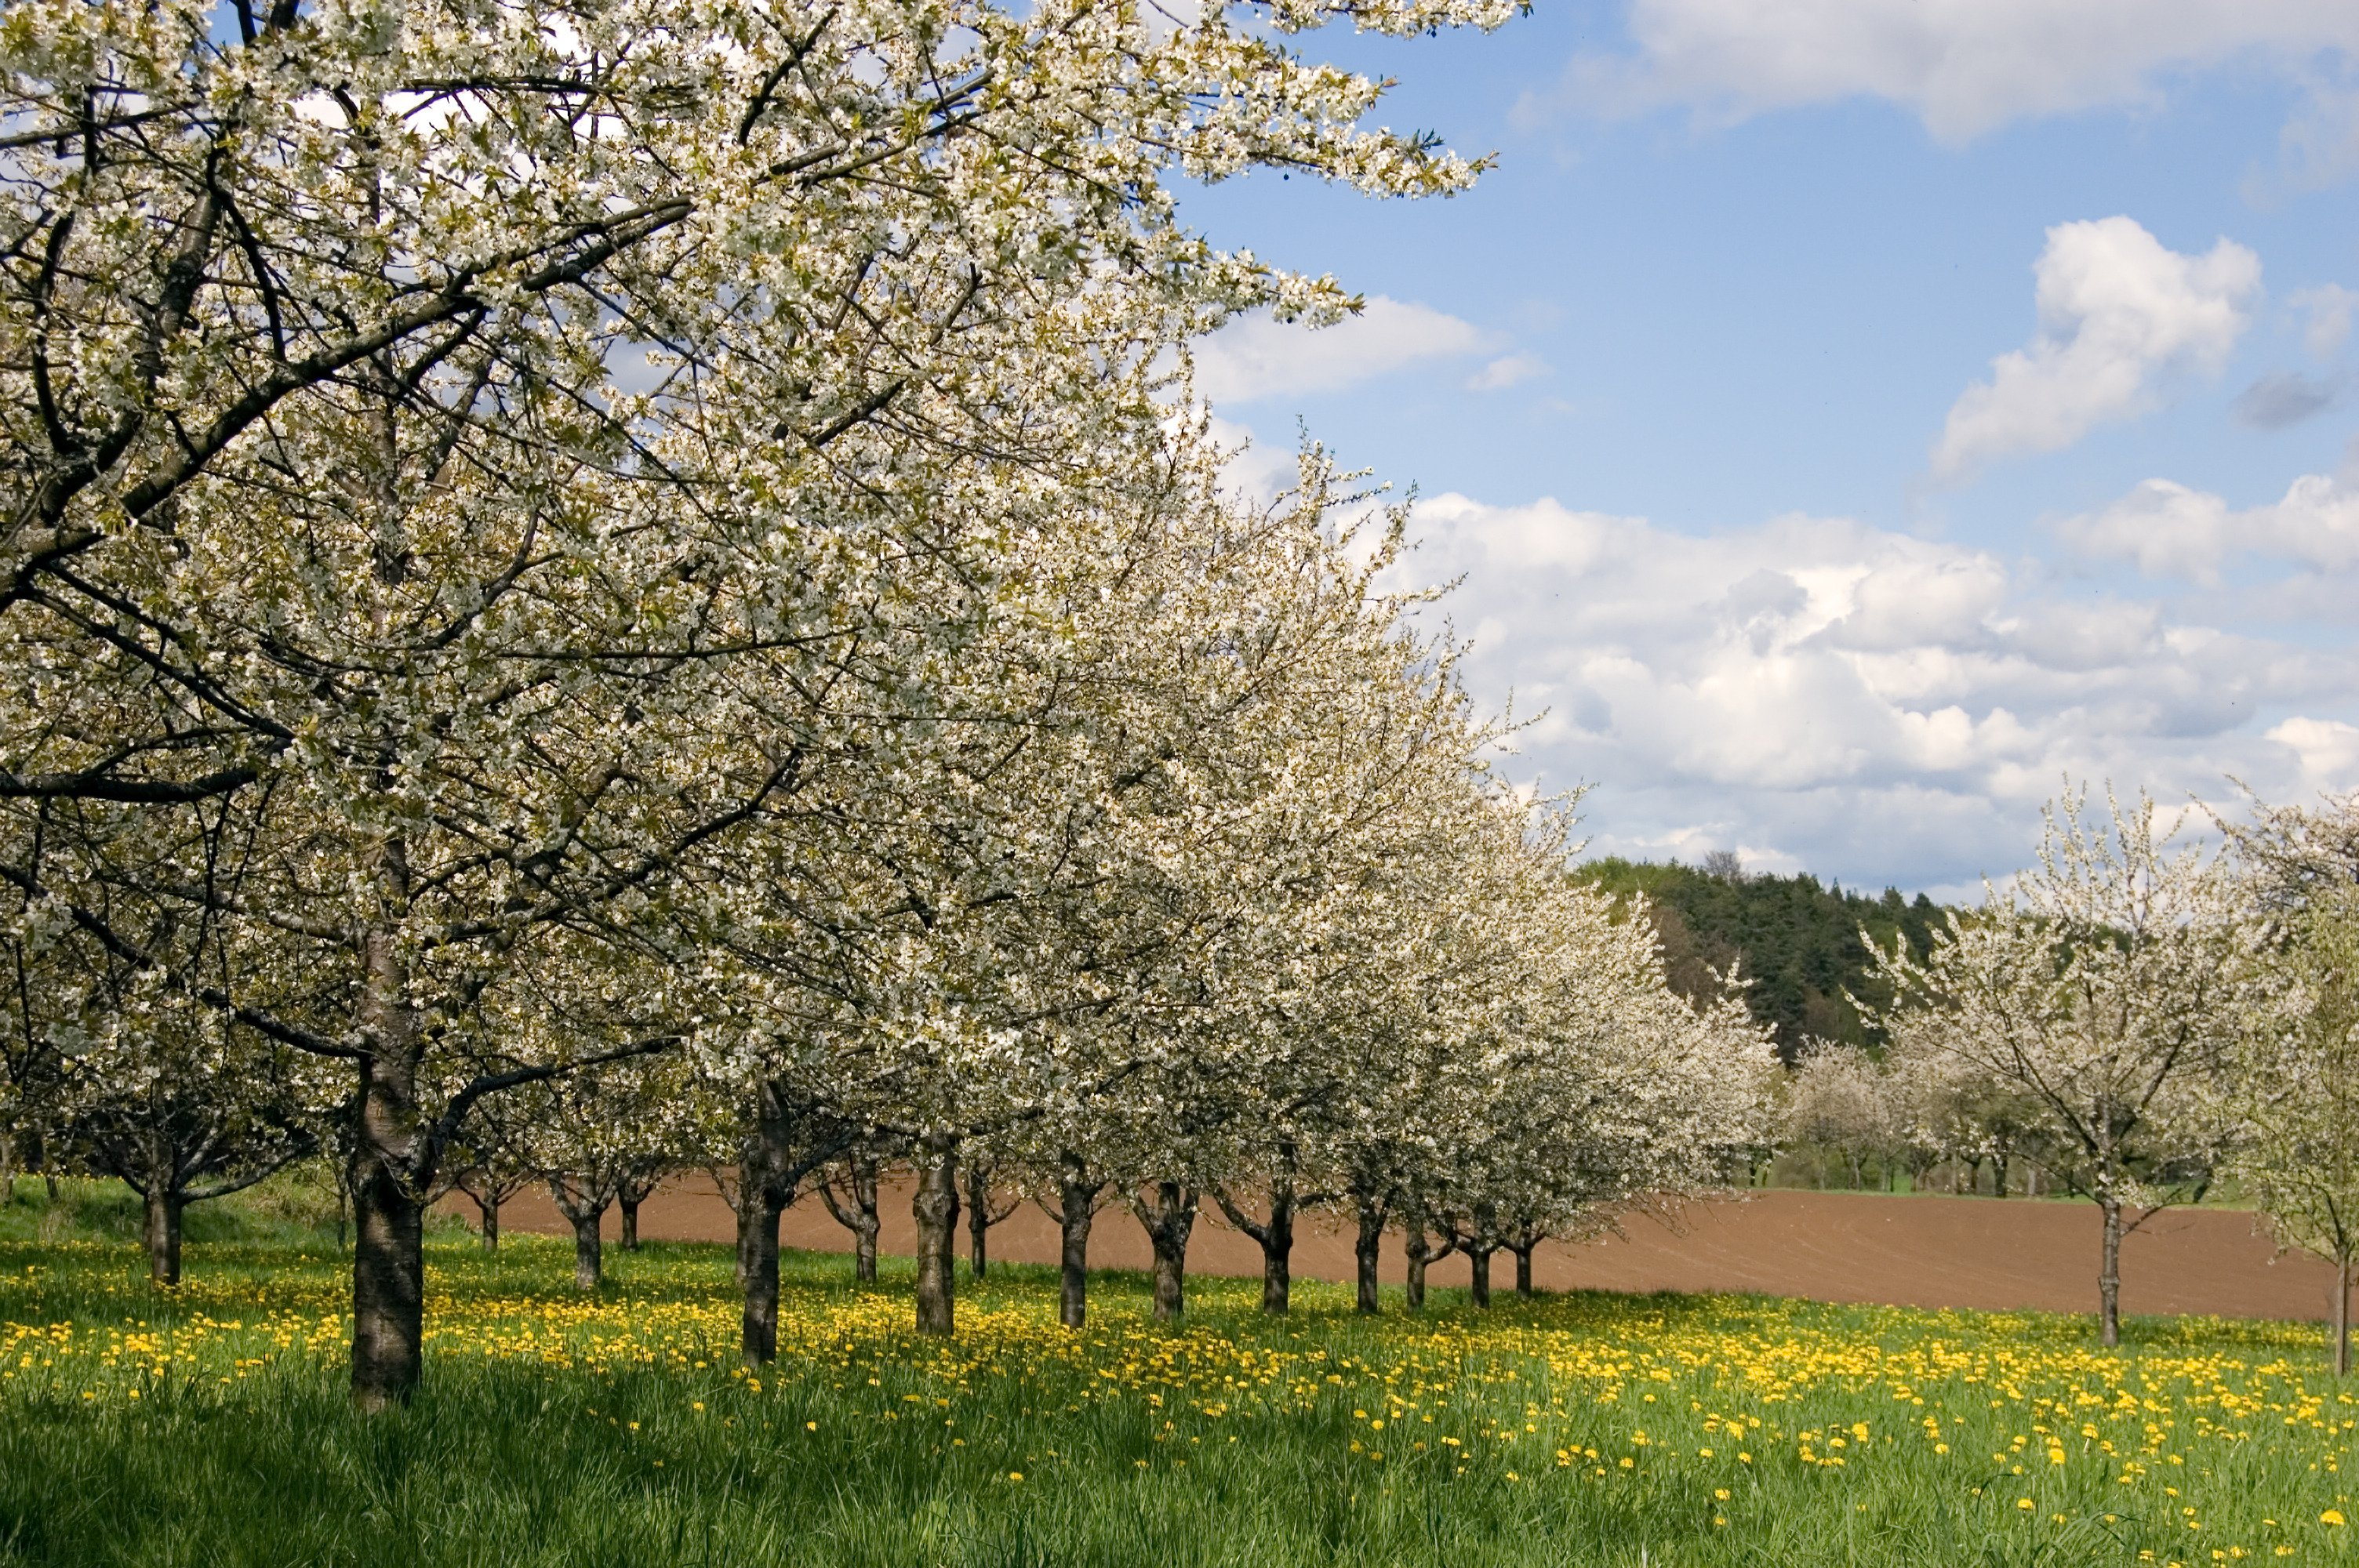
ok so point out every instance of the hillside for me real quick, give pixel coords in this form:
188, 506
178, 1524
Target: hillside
1798, 940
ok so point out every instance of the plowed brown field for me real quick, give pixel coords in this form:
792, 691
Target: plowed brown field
1836, 1247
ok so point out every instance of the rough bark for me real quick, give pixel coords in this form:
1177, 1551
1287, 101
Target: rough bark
2109, 1275
744, 1201
584, 1200
1078, 1196
2342, 1315
489, 1209
856, 1211
775, 1153
1524, 1269
1373, 1213
388, 1289
391, 1163
163, 1232
757, 1232
1169, 1220
935, 1206
1479, 1249
637, 1184
589, 1253
1422, 1254
1275, 1239
1478, 1262
978, 1218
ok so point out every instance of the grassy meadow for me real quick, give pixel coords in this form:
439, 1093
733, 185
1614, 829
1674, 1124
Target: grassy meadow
207, 1425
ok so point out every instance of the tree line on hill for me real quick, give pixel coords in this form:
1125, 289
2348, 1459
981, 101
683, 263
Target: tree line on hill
1804, 949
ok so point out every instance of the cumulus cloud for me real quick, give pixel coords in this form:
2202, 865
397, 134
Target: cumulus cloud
1964, 66
1257, 358
1833, 695
2118, 312
1512, 370
2327, 751
2168, 529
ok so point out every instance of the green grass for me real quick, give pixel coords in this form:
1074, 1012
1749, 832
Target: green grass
208, 1425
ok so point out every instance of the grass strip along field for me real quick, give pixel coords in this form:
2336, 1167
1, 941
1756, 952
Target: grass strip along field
208, 1425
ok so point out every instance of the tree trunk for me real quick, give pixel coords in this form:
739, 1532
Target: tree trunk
1365, 1247
630, 1207
859, 1216
757, 1252
490, 1210
391, 1165
1478, 1260
2109, 1275
388, 1289
589, 1253
748, 1202
585, 1203
1275, 1239
1422, 1255
163, 1206
978, 1218
1168, 1224
1998, 1175
1079, 1198
1278, 1249
1524, 1270
935, 1206
2342, 1315
863, 1232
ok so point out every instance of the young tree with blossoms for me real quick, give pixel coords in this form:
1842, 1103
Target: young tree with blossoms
2298, 1063
2108, 989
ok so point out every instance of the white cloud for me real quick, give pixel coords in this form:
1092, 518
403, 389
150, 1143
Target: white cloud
1257, 358
2171, 530
2328, 751
1829, 695
1513, 370
1962, 66
2321, 142
2328, 307
2117, 310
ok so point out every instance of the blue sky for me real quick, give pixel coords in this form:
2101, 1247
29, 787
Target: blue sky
1850, 417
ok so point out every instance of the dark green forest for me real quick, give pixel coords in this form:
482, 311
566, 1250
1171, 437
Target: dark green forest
1797, 940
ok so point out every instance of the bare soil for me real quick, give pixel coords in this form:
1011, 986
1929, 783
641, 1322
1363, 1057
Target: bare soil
1920, 1251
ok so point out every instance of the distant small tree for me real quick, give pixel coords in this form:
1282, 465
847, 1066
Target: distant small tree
492, 1160
1845, 1104
177, 1142
849, 1188
2107, 990
604, 1135
982, 1213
